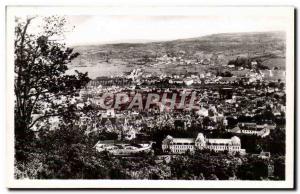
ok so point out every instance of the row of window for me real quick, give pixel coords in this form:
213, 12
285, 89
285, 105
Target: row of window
225, 147
178, 148
249, 131
182, 146
179, 151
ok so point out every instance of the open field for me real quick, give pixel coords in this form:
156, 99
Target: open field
114, 59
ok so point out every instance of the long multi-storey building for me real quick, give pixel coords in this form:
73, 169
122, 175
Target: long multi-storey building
253, 129
182, 145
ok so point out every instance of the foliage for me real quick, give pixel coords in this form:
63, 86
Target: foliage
42, 87
253, 169
40, 65
246, 62
204, 165
279, 167
66, 154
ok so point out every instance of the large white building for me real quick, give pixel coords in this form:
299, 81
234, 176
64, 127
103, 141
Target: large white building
181, 145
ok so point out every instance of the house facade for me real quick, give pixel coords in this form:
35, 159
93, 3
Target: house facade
182, 145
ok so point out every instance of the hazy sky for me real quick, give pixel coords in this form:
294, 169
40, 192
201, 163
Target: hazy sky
113, 29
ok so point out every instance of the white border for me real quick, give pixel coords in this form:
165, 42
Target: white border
149, 10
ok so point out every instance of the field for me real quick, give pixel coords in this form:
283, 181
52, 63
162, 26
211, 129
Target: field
114, 59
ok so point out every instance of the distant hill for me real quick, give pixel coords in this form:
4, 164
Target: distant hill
111, 59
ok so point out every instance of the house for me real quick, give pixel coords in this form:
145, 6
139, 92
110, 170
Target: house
188, 81
182, 145
263, 155
227, 80
253, 63
252, 129
270, 170
176, 81
110, 113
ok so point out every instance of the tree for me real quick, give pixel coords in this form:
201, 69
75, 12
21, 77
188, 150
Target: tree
65, 154
253, 169
41, 85
279, 168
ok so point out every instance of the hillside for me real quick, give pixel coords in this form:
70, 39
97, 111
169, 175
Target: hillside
113, 59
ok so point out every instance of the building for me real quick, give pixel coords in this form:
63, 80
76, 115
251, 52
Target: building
262, 132
110, 113
178, 145
182, 145
116, 147
270, 170
109, 81
188, 81
252, 129
263, 155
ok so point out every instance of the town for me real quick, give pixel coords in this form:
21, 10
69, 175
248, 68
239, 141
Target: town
239, 111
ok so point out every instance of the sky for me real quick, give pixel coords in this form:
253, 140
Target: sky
119, 29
